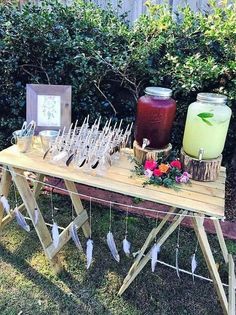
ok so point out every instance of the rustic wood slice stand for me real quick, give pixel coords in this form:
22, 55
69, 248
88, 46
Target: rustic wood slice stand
204, 170
201, 199
149, 154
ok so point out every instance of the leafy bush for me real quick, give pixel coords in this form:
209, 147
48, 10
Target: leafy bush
109, 63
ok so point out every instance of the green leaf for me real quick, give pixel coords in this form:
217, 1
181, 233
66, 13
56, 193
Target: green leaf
205, 115
207, 122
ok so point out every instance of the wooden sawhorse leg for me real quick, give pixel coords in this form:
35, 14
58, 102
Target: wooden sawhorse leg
210, 261
141, 261
4, 189
232, 285
77, 205
221, 240
5, 183
42, 231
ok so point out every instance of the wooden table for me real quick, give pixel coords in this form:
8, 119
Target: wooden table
200, 199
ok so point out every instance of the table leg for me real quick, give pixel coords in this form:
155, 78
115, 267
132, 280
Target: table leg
221, 240
77, 205
150, 238
38, 184
36, 190
4, 189
208, 256
30, 204
232, 286
133, 272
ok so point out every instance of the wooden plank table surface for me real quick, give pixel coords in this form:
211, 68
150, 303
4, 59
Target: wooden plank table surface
201, 197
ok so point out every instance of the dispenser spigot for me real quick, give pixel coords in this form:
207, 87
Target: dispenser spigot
200, 154
146, 142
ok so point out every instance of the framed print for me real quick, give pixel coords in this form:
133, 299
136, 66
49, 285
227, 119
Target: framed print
48, 105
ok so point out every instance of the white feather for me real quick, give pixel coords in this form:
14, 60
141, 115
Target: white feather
89, 252
154, 255
74, 236
5, 204
126, 246
193, 264
112, 246
55, 235
60, 156
177, 261
21, 220
36, 216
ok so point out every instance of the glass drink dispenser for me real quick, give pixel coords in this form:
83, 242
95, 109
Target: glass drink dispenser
155, 116
206, 126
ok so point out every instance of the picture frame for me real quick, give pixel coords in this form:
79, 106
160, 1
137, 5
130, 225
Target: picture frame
49, 106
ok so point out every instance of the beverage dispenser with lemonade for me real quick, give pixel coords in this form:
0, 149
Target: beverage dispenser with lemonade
206, 126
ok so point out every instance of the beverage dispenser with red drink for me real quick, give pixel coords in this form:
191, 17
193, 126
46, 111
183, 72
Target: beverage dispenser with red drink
154, 119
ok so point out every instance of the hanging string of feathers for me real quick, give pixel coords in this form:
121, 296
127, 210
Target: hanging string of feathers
21, 220
194, 261
75, 237
36, 216
89, 247
177, 253
126, 244
5, 204
55, 231
111, 243
155, 250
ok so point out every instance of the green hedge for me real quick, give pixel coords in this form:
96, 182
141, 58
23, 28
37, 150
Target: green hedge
109, 63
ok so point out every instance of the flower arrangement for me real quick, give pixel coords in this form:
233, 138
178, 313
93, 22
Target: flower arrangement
166, 171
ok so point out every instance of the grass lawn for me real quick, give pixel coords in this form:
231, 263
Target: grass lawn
28, 285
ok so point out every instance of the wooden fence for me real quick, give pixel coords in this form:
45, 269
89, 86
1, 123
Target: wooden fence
135, 8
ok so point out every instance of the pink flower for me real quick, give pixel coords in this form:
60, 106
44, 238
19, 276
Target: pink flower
148, 173
176, 163
150, 165
157, 172
184, 178
186, 174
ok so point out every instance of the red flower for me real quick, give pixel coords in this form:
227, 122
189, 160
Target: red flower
176, 163
157, 172
150, 165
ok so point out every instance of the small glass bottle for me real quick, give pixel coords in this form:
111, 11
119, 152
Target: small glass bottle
206, 126
155, 115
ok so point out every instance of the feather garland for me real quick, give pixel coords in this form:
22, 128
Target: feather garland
55, 235
112, 246
154, 255
36, 216
177, 261
89, 252
193, 264
21, 220
74, 236
126, 246
5, 204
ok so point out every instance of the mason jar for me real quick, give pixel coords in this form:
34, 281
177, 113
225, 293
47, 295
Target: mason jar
206, 126
154, 119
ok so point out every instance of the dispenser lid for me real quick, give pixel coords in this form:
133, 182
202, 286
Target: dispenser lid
158, 91
212, 98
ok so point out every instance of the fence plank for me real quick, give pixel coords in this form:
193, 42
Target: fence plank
134, 8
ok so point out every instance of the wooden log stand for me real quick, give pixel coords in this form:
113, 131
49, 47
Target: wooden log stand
201, 170
149, 154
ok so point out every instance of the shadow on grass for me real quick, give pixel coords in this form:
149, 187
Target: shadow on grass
74, 302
